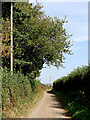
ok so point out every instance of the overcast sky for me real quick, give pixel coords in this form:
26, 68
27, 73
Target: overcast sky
77, 16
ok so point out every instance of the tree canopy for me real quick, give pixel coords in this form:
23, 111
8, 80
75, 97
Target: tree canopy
38, 39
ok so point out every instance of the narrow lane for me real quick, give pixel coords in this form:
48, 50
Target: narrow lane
49, 107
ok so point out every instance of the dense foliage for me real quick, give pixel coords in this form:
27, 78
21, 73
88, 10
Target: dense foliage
5, 43
17, 86
38, 38
77, 80
18, 90
75, 92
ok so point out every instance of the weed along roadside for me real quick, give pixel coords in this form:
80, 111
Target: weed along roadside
74, 92
19, 93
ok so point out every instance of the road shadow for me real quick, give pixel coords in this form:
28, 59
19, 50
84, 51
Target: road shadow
58, 105
50, 91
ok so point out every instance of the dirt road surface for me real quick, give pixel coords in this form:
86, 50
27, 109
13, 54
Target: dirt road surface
49, 107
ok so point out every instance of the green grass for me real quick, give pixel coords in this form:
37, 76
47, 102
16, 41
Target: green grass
75, 104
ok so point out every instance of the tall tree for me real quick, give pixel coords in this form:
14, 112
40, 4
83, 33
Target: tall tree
38, 39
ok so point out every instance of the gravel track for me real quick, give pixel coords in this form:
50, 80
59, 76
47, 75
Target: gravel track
49, 107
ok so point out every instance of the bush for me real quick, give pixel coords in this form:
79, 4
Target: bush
16, 87
77, 80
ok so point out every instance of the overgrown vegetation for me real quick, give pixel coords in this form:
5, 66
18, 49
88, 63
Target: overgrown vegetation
18, 91
74, 90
